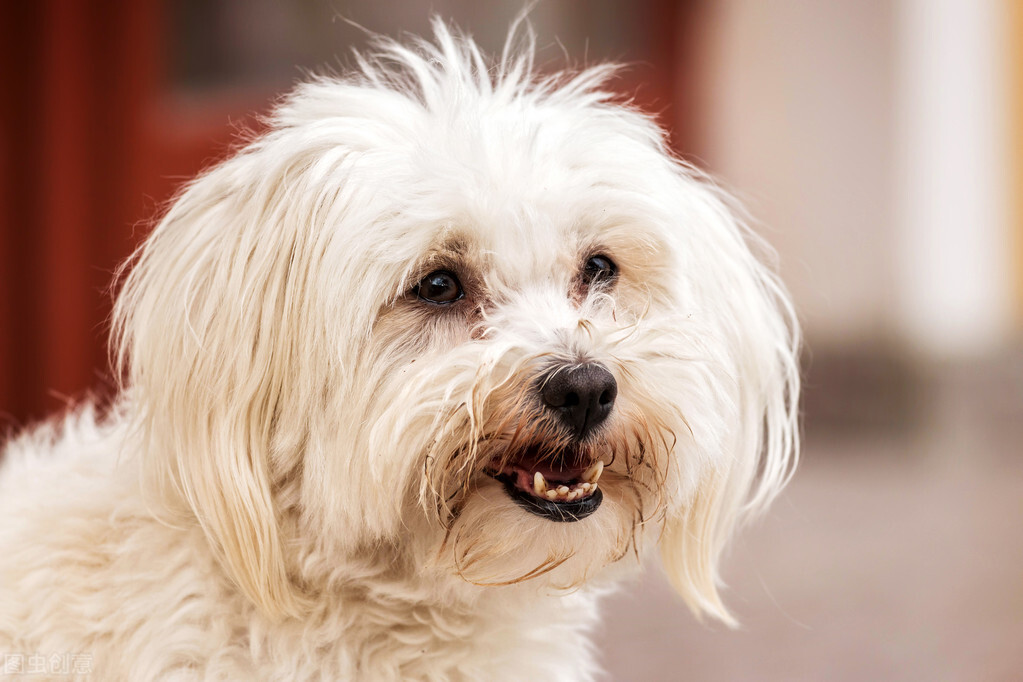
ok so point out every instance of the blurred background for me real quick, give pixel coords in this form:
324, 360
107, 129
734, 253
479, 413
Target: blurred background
878, 143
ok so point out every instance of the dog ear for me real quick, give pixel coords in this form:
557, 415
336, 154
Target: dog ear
208, 335
758, 326
690, 547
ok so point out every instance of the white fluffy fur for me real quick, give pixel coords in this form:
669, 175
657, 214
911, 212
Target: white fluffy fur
291, 485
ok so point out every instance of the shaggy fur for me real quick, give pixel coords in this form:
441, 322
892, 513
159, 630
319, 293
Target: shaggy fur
293, 484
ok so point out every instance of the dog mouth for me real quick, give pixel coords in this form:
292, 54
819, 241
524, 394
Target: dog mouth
561, 488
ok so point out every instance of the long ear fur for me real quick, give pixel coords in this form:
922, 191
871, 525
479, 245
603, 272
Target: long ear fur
760, 326
209, 332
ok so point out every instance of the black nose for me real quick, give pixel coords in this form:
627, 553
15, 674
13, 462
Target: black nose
582, 396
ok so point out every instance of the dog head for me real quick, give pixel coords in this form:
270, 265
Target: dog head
474, 315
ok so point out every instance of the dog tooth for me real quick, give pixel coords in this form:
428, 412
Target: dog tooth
551, 494
562, 489
539, 484
584, 486
593, 473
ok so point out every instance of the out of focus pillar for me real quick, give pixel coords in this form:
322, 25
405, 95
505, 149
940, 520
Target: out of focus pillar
954, 258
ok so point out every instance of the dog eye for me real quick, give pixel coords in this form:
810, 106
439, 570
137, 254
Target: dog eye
599, 270
439, 286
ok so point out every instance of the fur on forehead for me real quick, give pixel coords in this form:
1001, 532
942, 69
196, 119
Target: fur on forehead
431, 145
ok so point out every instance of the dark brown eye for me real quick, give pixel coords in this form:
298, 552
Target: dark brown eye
599, 270
440, 287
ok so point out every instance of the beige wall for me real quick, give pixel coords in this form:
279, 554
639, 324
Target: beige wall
868, 137
799, 99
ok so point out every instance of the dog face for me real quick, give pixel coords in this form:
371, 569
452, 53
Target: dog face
480, 318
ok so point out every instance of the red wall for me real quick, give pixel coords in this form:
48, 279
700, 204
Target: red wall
93, 143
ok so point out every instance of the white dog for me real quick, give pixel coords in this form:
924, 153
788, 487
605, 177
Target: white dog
409, 381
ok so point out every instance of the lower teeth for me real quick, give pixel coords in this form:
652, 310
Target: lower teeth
563, 492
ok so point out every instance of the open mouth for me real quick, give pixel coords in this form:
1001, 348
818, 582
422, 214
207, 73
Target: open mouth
558, 489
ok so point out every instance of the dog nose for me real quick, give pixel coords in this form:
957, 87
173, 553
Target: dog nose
581, 396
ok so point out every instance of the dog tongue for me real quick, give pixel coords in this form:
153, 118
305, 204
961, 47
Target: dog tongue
523, 474
564, 468
552, 471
